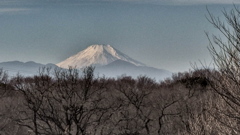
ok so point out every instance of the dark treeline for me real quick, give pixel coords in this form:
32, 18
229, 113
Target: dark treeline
69, 102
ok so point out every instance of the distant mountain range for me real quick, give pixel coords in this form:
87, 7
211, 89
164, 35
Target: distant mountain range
120, 67
107, 60
23, 68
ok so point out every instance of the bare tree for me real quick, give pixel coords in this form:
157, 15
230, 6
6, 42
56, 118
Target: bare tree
33, 92
7, 105
135, 112
4, 83
67, 103
225, 50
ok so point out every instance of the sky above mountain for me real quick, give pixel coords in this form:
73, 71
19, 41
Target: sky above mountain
167, 34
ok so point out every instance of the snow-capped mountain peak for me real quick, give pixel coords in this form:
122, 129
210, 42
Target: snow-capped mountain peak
97, 55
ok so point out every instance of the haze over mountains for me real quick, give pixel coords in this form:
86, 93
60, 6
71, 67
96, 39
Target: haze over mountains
107, 61
23, 68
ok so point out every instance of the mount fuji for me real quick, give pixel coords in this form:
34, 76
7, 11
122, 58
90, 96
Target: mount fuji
97, 55
110, 62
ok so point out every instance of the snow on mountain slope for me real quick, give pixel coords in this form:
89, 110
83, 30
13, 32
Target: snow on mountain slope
96, 55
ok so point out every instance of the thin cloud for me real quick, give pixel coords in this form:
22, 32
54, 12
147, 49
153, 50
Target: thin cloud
2, 10
174, 2
182, 2
163, 2
13, 10
204, 1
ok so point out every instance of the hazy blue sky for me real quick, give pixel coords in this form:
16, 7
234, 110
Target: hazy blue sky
166, 34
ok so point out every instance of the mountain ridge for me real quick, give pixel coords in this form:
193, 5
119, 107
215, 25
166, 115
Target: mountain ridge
29, 68
119, 68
